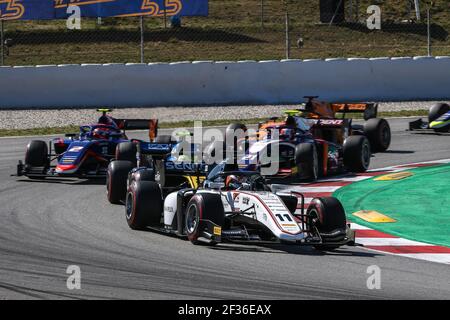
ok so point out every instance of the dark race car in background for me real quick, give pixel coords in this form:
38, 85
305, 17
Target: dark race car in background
85, 154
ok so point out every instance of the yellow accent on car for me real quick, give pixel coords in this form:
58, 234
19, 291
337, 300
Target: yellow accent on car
217, 231
394, 176
373, 216
291, 112
439, 124
193, 181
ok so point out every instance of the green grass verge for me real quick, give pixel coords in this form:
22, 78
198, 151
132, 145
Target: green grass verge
183, 124
421, 213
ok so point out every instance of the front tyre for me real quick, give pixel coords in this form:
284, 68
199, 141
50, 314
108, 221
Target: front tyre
328, 216
357, 153
201, 209
37, 154
116, 180
378, 132
307, 162
144, 205
126, 151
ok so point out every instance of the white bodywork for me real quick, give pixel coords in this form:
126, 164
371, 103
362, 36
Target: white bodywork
265, 207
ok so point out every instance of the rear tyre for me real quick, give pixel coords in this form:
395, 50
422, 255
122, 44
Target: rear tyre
378, 132
203, 207
116, 180
164, 139
307, 161
37, 154
126, 151
144, 205
357, 153
329, 218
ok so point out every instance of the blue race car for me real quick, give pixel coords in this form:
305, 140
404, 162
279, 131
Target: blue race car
86, 154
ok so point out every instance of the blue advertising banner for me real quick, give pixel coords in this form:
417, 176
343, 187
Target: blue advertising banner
57, 9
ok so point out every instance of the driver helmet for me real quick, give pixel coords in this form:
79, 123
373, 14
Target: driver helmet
302, 124
290, 121
232, 183
105, 120
101, 133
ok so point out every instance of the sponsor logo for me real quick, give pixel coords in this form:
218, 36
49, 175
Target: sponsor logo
184, 166
76, 149
331, 122
217, 231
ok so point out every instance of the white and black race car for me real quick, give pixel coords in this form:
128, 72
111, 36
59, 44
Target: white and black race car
235, 206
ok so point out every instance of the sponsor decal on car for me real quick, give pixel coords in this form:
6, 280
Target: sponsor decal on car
76, 149
217, 231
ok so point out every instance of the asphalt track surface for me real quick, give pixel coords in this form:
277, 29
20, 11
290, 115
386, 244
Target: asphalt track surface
47, 226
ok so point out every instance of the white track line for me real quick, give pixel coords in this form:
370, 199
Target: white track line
389, 242
434, 257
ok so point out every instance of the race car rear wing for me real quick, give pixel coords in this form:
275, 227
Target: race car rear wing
155, 149
140, 124
369, 109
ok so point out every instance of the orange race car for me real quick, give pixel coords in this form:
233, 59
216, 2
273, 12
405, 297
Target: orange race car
313, 141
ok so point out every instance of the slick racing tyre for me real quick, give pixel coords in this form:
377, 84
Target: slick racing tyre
378, 132
116, 180
142, 174
357, 153
164, 139
437, 111
37, 154
203, 207
307, 161
126, 151
144, 205
328, 216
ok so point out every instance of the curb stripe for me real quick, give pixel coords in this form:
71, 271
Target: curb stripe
411, 249
389, 242
433, 257
372, 234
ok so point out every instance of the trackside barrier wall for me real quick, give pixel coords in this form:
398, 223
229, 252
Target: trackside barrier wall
241, 82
